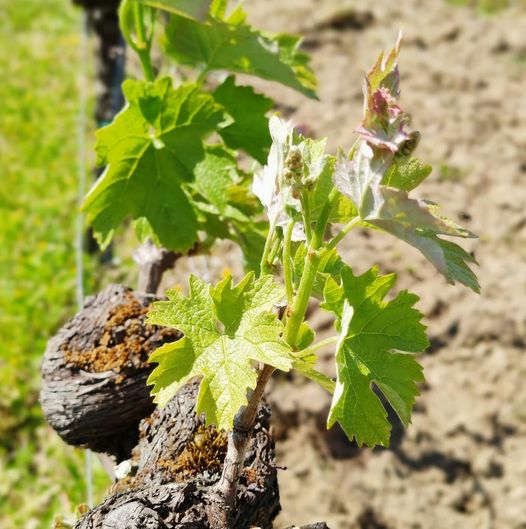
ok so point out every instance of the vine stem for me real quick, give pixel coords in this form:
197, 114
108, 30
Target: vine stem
287, 262
312, 261
238, 439
143, 43
264, 265
320, 345
131, 18
343, 232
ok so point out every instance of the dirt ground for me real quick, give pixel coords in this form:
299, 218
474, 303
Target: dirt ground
462, 463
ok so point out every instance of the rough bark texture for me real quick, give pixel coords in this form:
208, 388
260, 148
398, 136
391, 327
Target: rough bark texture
103, 20
319, 525
177, 461
94, 394
94, 372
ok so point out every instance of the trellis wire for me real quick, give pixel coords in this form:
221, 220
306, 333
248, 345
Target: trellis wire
81, 188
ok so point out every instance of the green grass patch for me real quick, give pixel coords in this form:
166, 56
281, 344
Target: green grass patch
39, 475
488, 7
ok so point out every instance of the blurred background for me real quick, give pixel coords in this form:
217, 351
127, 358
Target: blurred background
462, 463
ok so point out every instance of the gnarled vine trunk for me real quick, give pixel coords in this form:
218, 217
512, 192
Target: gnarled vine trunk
175, 465
94, 394
94, 372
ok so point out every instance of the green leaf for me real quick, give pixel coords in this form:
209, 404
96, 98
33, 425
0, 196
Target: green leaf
227, 331
215, 175
372, 330
226, 206
319, 168
249, 131
322, 167
416, 222
236, 47
305, 364
406, 174
306, 336
193, 9
419, 223
151, 150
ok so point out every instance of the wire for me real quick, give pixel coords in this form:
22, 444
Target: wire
81, 190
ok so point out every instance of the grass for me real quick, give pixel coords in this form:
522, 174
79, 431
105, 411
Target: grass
488, 7
450, 173
40, 477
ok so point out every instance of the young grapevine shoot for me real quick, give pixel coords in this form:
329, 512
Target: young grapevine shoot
172, 164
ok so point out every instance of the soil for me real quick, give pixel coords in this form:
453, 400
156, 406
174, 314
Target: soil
462, 463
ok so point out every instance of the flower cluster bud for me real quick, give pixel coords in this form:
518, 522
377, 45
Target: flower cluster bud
293, 172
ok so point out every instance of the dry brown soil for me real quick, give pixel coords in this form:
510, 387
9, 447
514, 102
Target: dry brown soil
462, 463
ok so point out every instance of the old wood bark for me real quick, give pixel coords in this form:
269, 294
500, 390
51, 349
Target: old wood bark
177, 461
94, 394
94, 372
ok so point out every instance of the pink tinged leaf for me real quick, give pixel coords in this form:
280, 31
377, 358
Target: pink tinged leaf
385, 71
383, 121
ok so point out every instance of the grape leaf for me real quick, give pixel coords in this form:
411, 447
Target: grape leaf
151, 150
416, 222
406, 174
383, 121
249, 130
194, 9
305, 364
370, 329
226, 331
226, 206
215, 175
234, 46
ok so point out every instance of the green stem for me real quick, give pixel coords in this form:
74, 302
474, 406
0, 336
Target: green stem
146, 64
299, 307
264, 264
320, 345
312, 261
343, 232
323, 219
306, 215
287, 262
138, 12
274, 248
143, 43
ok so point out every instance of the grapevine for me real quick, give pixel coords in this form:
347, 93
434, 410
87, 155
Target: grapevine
173, 160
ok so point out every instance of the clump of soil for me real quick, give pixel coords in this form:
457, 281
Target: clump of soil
126, 341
